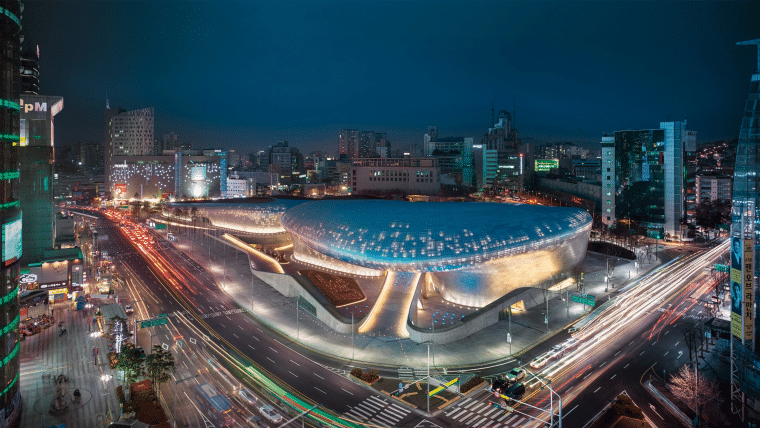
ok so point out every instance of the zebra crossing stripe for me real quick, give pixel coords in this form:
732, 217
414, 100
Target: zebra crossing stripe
469, 405
492, 410
376, 407
399, 408
509, 421
458, 413
395, 413
359, 412
464, 416
503, 416
375, 399
381, 418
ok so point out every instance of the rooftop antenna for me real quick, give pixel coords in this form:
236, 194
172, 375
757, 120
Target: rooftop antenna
752, 42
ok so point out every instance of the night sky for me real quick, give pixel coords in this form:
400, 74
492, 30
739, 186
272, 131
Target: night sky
245, 75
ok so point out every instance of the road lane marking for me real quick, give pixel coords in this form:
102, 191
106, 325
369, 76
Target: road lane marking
251, 347
320, 390
627, 365
616, 353
319, 376
584, 377
295, 363
348, 391
270, 360
653, 343
256, 338
642, 353
676, 343
603, 364
666, 353
597, 389
631, 342
667, 332
613, 376
576, 406
236, 335
292, 373
274, 350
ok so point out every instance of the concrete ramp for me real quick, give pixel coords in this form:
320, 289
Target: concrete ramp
388, 315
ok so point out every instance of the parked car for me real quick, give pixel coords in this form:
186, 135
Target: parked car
516, 374
247, 396
540, 361
270, 413
254, 421
515, 391
128, 309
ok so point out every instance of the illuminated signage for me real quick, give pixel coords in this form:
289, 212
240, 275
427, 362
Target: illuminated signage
33, 107
749, 292
736, 287
121, 189
27, 278
546, 165
11, 241
63, 290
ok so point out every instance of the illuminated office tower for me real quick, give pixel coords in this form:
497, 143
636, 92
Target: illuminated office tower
745, 228
128, 133
10, 210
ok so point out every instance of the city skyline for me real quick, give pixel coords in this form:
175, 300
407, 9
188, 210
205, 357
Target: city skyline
268, 72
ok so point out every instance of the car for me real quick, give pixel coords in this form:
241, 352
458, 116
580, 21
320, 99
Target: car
516, 374
498, 385
254, 421
570, 343
515, 391
128, 309
247, 396
268, 412
539, 362
572, 330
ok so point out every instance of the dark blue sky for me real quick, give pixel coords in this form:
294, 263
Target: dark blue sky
245, 75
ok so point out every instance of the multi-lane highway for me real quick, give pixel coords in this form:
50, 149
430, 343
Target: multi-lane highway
637, 333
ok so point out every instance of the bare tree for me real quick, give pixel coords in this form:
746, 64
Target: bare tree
692, 335
693, 389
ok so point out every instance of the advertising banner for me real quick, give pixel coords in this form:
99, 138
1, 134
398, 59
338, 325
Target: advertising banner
11, 241
736, 287
121, 190
749, 290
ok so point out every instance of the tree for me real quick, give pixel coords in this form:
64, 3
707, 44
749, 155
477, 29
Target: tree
159, 364
693, 389
692, 336
137, 195
130, 361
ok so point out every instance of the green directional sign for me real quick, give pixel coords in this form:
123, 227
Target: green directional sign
721, 268
154, 322
162, 315
586, 299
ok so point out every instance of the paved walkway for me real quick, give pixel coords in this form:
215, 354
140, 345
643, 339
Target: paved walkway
490, 344
47, 354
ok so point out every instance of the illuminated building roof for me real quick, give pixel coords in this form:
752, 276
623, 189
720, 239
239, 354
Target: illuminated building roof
432, 236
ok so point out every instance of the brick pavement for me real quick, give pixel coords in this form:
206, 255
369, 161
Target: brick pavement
71, 354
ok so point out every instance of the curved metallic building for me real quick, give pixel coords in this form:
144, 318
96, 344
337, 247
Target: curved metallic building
475, 252
254, 217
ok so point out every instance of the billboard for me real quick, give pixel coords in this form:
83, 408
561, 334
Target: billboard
736, 287
11, 241
121, 190
546, 165
748, 276
198, 173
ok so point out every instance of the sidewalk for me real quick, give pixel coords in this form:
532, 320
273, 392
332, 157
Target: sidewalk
232, 272
48, 353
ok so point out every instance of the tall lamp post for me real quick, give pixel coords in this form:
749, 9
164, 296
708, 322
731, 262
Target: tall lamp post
551, 400
177, 382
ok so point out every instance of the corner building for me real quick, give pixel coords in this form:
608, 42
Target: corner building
10, 211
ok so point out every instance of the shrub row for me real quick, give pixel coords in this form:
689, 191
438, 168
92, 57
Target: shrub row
368, 377
472, 383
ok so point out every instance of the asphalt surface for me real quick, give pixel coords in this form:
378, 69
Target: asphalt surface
652, 343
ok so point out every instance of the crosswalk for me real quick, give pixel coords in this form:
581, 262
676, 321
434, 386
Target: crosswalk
481, 414
379, 411
406, 373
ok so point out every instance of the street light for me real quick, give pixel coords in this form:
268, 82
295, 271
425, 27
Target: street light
176, 382
551, 400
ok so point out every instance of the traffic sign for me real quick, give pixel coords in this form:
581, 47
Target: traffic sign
162, 315
586, 299
154, 322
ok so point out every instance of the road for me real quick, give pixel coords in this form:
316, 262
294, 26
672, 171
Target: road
637, 335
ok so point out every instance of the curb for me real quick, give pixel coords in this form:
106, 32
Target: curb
667, 403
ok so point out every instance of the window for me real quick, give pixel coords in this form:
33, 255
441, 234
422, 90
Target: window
609, 177
608, 170
608, 202
609, 193
608, 210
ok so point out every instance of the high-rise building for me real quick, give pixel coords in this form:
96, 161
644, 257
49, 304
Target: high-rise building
348, 143
36, 162
30, 72
712, 188
367, 144
485, 163
10, 210
454, 156
128, 133
745, 236
285, 160
677, 138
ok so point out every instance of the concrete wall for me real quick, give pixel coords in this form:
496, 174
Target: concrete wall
476, 321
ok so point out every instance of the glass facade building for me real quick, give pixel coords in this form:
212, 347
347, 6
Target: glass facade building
10, 211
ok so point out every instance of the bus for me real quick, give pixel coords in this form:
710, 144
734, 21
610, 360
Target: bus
214, 405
